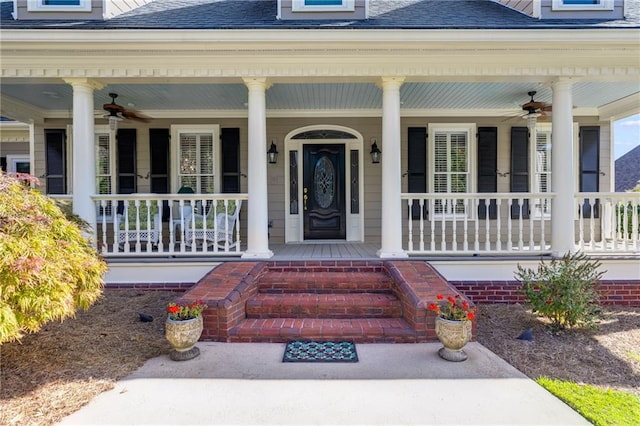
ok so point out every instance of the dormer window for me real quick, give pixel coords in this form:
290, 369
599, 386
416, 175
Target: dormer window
323, 5
59, 5
582, 5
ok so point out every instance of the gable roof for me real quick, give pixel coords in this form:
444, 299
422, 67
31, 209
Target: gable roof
383, 14
627, 170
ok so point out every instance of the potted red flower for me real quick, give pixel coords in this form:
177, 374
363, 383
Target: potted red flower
453, 325
183, 329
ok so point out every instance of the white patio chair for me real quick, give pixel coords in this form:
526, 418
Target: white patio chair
181, 220
125, 224
217, 227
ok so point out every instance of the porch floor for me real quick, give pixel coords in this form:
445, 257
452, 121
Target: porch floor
325, 251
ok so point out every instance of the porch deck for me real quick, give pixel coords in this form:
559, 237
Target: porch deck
325, 251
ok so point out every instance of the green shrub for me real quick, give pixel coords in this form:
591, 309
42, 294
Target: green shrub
563, 290
48, 269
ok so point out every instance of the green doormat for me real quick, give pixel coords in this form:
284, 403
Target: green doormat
312, 351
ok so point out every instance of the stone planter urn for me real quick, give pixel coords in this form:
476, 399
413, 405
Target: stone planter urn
183, 335
453, 335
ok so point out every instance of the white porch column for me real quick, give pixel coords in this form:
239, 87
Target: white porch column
84, 158
391, 223
258, 210
563, 176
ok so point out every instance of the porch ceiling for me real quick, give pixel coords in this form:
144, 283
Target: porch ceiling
453, 98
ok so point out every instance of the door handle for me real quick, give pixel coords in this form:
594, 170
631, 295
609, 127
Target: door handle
305, 197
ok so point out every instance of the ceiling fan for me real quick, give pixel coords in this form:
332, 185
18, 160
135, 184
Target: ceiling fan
118, 113
534, 109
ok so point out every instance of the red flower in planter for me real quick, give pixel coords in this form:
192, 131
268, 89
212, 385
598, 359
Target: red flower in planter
178, 312
453, 308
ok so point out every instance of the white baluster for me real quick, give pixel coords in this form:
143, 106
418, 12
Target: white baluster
410, 225
422, 219
498, 224
432, 217
476, 236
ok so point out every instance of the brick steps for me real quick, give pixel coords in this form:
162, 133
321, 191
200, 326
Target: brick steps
324, 305
360, 330
366, 301
325, 282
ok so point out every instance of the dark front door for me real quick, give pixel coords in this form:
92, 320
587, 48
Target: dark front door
323, 193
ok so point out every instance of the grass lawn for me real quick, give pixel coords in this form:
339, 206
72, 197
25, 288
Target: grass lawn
602, 407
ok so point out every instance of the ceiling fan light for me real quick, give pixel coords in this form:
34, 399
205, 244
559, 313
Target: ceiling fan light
532, 119
113, 122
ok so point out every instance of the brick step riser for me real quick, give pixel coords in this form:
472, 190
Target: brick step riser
323, 312
360, 331
355, 339
324, 287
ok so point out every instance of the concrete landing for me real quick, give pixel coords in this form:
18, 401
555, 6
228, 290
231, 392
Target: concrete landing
247, 383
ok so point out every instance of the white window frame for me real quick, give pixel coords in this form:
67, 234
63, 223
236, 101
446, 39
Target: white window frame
14, 159
470, 129
538, 209
176, 131
300, 6
602, 5
103, 130
40, 6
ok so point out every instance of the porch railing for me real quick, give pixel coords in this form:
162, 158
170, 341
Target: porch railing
169, 225
466, 223
608, 222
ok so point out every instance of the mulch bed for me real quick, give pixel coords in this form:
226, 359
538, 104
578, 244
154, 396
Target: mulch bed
608, 356
60, 369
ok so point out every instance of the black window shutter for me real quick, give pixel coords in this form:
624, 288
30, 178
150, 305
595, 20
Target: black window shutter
487, 168
55, 161
590, 167
159, 152
519, 169
417, 165
230, 153
126, 161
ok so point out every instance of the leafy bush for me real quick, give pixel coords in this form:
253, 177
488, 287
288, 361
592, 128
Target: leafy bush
563, 290
48, 269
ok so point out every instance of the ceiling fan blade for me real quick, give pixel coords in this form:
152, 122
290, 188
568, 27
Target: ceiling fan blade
132, 114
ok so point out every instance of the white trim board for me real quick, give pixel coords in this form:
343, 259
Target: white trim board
174, 272
503, 270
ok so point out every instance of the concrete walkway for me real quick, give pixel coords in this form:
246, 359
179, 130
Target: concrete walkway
243, 383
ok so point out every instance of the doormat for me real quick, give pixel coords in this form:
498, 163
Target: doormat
312, 351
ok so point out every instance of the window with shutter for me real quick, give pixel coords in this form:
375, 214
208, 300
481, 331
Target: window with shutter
450, 163
542, 167
104, 169
197, 157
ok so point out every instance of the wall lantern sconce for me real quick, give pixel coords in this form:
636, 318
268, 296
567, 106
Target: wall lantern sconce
272, 154
375, 152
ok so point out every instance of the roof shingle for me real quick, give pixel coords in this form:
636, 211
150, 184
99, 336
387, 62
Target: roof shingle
383, 14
